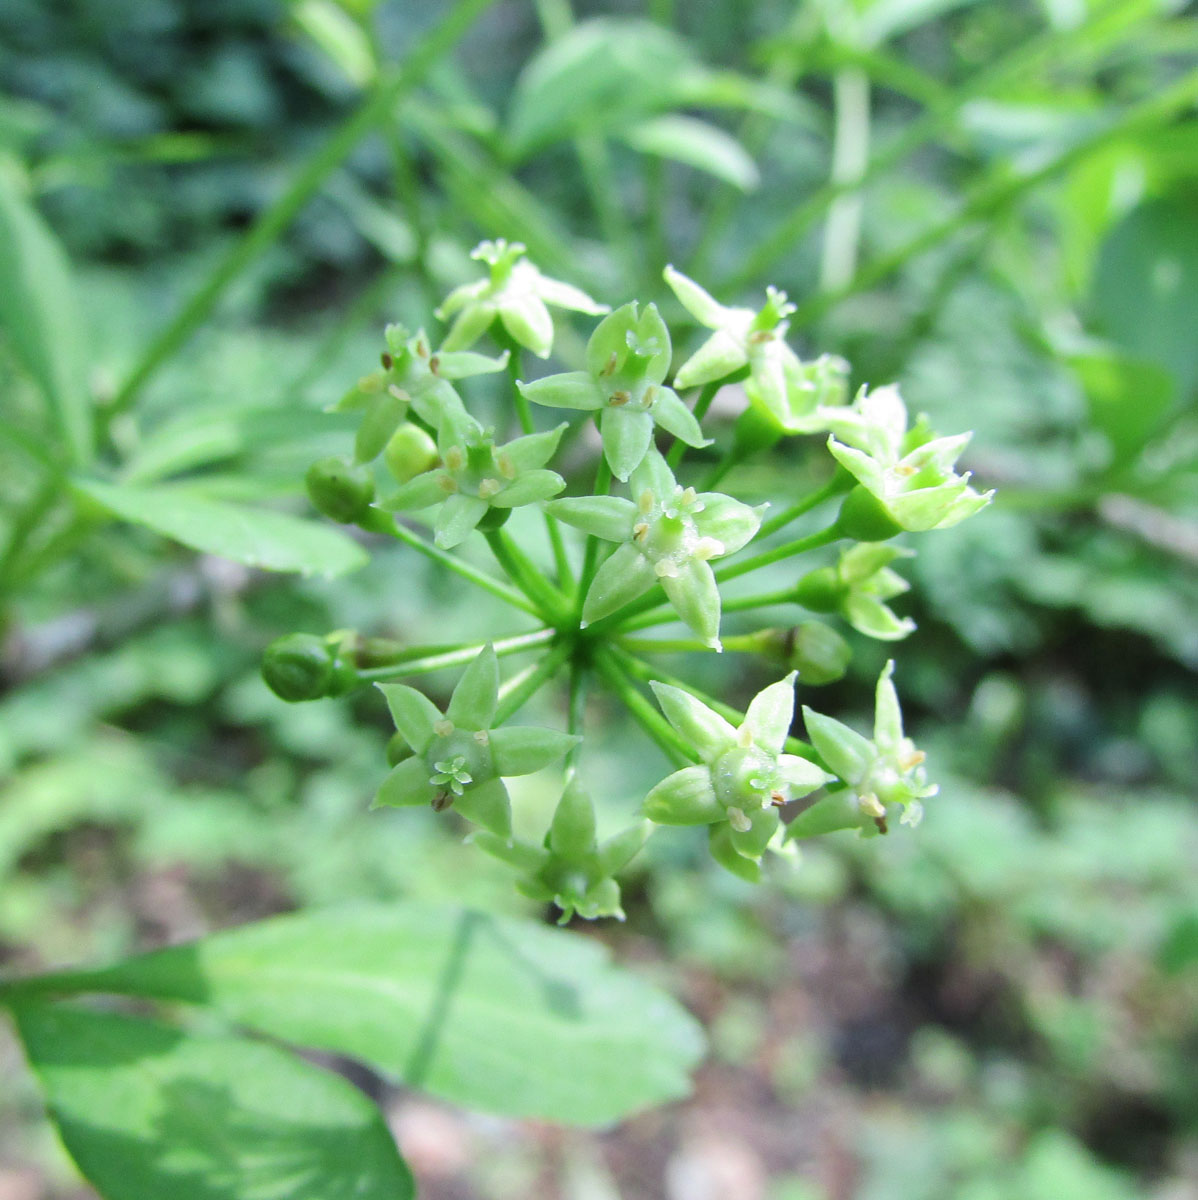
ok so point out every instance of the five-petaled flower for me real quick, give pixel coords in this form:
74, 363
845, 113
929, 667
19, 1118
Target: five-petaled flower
909, 472
477, 476
668, 534
515, 292
457, 757
878, 774
628, 357
790, 392
744, 777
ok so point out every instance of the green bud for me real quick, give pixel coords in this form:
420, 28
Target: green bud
754, 431
864, 518
409, 452
821, 590
818, 653
340, 491
298, 666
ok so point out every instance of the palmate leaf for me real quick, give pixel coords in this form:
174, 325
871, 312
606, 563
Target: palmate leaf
257, 537
500, 1015
149, 1112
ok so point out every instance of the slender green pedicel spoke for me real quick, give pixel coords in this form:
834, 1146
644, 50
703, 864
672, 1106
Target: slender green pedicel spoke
525, 576
834, 487
590, 561
392, 528
653, 723
768, 557
706, 396
521, 687
459, 657
576, 713
565, 577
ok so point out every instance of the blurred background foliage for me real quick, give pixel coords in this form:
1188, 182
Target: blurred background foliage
994, 203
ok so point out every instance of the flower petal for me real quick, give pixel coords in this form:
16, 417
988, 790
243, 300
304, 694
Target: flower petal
695, 596
405, 786
607, 517
472, 705
624, 576
457, 519
571, 389
523, 749
699, 725
413, 712
528, 489
770, 714
684, 798
674, 417
487, 804
696, 300
627, 434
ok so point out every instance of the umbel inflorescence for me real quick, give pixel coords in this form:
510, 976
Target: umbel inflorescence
649, 544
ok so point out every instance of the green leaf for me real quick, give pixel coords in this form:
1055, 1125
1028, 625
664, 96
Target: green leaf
523, 749
148, 1112
1128, 398
698, 144
257, 537
38, 311
499, 1015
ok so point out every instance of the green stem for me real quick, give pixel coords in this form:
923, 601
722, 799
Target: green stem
516, 691
525, 576
386, 524
565, 577
459, 656
768, 557
271, 224
706, 396
590, 558
839, 482
653, 723
784, 595
576, 712
850, 155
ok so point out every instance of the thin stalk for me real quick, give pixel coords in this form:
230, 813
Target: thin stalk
706, 396
565, 577
458, 657
850, 154
653, 723
520, 688
524, 575
784, 595
737, 642
488, 583
271, 224
590, 558
832, 488
576, 713
768, 557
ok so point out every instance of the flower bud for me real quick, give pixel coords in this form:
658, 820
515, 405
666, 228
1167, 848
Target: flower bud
818, 653
340, 491
409, 452
298, 667
864, 518
821, 590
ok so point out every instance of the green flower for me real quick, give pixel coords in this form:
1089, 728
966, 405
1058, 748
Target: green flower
744, 777
788, 391
413, 377
477, 476
884, 772
458, 759
628, 357
668, 536
571, 869
909, 472
858, 587
515, 292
